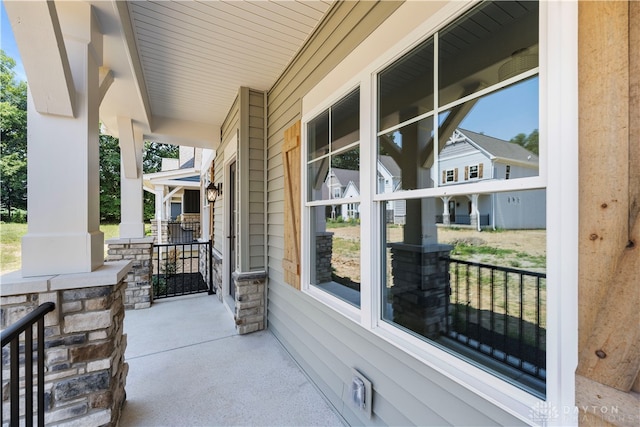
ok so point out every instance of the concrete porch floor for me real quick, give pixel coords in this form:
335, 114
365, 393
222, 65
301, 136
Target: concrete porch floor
189, 367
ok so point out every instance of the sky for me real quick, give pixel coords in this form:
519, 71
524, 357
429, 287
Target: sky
506, 113
8, 43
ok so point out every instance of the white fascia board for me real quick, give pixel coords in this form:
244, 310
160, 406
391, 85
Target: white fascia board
173, 174
513, 162
176, 183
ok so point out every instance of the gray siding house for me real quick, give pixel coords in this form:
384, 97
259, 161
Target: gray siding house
468, 157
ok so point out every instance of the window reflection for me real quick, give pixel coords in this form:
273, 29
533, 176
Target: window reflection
479, 138
405, 157
476, 293
335, 250
318, 136
492, 43
345, 121
406, 88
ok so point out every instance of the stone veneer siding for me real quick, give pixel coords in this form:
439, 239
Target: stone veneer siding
85, 370
204, 264
139, 291
250, 301
164, 230
217, 274
324, 252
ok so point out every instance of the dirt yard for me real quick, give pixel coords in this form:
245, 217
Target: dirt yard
524, 249
532, 242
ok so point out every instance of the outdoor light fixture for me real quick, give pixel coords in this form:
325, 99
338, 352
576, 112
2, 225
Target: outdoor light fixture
213, 191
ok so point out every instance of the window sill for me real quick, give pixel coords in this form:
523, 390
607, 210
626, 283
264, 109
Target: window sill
334, 302
506, 396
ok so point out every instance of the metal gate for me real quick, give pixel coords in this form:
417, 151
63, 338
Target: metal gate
181, 269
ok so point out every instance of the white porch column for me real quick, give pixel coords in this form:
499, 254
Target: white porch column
131, 200
475, 213
63, 169
446, 215
159, 215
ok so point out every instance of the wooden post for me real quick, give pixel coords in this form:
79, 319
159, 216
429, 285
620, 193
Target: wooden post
609, 252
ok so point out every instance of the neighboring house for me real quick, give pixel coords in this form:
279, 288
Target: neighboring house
471, 157
344, 183
177, 191
376, 79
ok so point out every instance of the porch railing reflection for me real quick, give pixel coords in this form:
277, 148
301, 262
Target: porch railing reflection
463, 220
500, 312
183, 232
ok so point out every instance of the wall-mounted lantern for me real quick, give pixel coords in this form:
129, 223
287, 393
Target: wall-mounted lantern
213, 191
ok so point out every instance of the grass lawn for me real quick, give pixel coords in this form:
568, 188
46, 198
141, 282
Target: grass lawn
11, 235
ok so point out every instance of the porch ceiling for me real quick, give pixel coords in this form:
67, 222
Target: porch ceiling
187, 59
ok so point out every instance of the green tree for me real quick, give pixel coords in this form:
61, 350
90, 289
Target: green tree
13, 138
152, 162
347, 160
110, 175
529, 142
109, 179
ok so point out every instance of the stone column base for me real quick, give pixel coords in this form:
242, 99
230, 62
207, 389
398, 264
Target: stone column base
85, 370
139, 291
420, 288
250, 301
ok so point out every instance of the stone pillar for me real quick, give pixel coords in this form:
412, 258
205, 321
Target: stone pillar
217, 274
324, 252
205, 265
250, 301
85, 370
139, 290
420, 288
63, 168
160, 234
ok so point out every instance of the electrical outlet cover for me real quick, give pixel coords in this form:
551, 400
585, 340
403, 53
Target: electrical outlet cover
361, 393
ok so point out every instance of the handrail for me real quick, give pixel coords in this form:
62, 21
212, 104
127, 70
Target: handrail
12, 332
11, 337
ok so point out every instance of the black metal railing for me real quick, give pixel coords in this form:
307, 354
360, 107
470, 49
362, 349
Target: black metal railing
11, 338
181, 269
501, 312
464, 220
183, 232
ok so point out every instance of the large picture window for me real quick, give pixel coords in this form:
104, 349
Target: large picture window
478, 295
425, 221
333, 190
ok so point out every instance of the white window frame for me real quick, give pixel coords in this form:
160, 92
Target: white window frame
558, 173
326, 298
